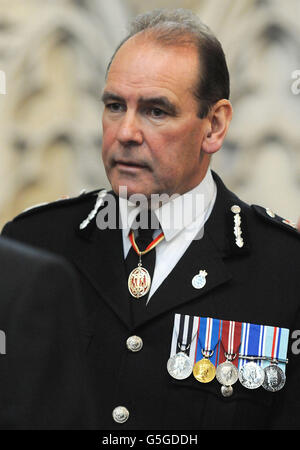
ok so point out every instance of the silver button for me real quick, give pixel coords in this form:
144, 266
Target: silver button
235, 209
134, 343
120, 414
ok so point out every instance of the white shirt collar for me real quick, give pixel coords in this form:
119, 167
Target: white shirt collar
179, 212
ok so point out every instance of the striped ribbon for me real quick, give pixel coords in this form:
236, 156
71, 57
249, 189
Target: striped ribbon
275, 345
197, 334
209, 333
231, 340
250, 342
149, 247
185, 330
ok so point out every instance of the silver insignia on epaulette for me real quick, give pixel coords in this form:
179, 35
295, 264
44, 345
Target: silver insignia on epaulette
288, 222
270, 213
237, 226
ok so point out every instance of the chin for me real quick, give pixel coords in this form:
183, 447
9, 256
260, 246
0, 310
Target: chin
126, 191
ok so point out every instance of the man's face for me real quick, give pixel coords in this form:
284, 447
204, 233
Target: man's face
152, 136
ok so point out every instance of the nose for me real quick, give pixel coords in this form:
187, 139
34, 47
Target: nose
130, 132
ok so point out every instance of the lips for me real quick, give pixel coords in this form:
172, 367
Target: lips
130, 164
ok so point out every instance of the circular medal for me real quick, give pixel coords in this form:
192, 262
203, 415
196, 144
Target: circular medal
274, 378
227, 374
204, 371
179, 366
251, 375
226, 391
139, 282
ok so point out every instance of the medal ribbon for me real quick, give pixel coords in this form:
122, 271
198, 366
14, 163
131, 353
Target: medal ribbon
231, 340
185, 330
251, 341
209, 333
276, 345
149, 247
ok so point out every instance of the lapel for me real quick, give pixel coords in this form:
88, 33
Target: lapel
208, 253
99, 255
177, 288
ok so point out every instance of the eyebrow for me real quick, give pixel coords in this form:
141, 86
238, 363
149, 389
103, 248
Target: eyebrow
160, 101
106, 96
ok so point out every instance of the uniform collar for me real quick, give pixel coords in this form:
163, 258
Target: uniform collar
178, 213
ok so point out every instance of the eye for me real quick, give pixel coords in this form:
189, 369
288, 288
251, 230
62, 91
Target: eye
115, 107
157, 113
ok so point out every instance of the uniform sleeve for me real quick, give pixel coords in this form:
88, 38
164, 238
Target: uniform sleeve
18, 231
41, 372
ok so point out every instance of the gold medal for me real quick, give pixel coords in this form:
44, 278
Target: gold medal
139, 282
204, 371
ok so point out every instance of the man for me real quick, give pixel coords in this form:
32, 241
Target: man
166, 113
40, 359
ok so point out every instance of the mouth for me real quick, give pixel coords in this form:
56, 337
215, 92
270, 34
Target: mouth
129, 165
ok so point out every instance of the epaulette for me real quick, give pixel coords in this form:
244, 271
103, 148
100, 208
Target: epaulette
268, 215
60, 201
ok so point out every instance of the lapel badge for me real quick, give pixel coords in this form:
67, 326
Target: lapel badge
199, 280
237, 226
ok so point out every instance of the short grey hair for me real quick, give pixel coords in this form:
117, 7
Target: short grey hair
183, 27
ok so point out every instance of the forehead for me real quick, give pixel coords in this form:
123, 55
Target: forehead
144, 66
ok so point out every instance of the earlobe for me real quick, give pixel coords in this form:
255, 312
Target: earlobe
211, 141
211, 146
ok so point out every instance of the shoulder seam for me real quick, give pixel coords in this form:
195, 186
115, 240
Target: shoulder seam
61, 201
269, 216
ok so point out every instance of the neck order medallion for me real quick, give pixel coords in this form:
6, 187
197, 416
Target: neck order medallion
139, 280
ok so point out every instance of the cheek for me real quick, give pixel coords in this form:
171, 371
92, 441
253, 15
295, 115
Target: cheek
109, 128
179, 155
108, 138
176, 146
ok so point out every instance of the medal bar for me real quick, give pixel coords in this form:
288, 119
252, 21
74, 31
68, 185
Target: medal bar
264, 358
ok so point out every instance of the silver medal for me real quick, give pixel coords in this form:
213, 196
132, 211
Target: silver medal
226, 391
227, 374
274, 378
179, 366
251, 375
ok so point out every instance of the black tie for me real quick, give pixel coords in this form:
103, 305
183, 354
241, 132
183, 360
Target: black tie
144, 238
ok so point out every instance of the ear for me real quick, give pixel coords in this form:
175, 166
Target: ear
218, 120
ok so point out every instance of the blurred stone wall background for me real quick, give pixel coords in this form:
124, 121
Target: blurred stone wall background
53, 55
